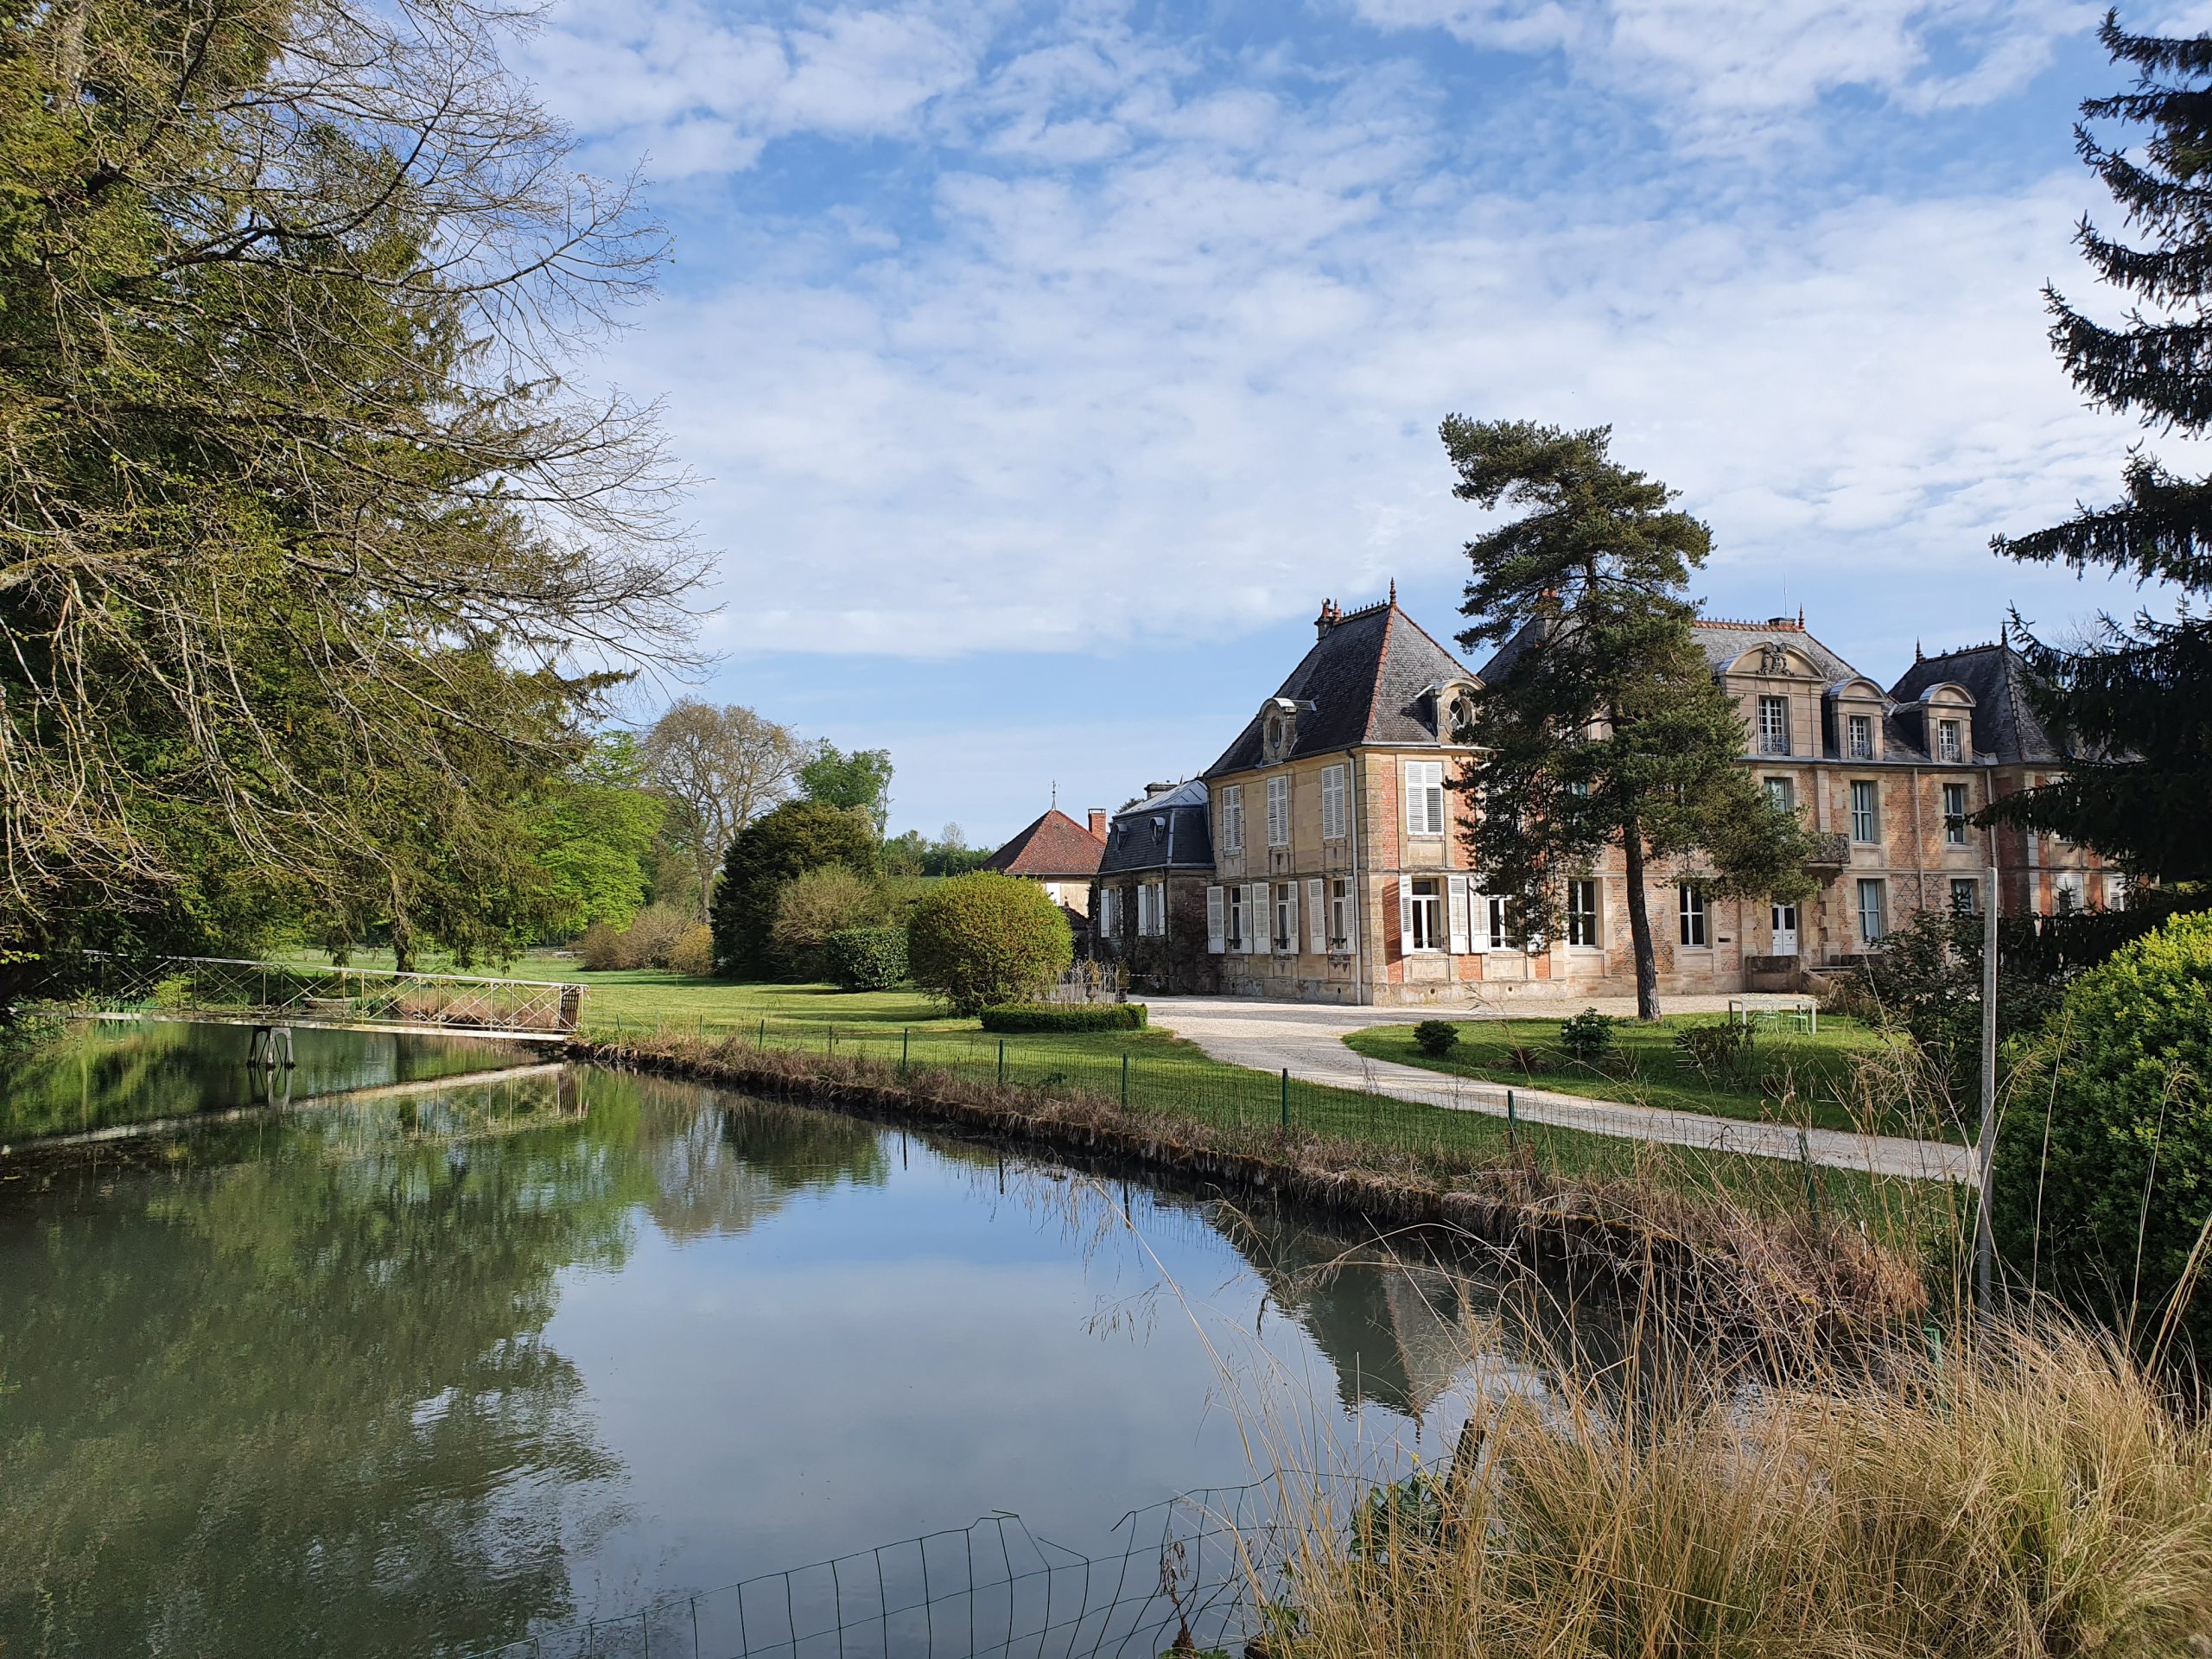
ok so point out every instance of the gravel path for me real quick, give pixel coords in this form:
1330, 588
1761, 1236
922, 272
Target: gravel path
1308, 1038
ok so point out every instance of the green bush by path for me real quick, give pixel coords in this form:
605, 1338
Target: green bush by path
1070, 1016
976, 941
1795, 1077
2102, 1185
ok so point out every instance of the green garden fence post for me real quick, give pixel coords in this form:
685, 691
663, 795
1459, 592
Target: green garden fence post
1286, 1098
763, 1044
1512, 1134
1125, 1082
905, 1043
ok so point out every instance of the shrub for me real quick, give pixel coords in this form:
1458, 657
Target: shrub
693, 955
1721, 1051
1066, 1016
1436, 1036
977, 940
2104, 1163
1588, 1037
651, 940
601, 947
869, 958
768, 852
812, 906
1527, 1060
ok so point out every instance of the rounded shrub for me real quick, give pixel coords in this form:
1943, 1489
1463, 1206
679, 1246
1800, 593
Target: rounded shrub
768, 852
869, 958
1436, 1038
693, 955
1588, 1037
1066, 1016
2103, 1172
976, 941
813, 907
601, 948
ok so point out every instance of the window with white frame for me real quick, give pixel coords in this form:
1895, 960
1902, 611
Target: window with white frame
1286, 909
1232, 819
1689, 907
1336, 818
1278, 811
1782, 794
1954, 815
1497, 921
1424, 913
1949, 746
1858, 736
1774, 725
1340, 914
1966, 896
1873, 912
1582, 913
2066, 888
1107, 896
1862, 827
1236, 896
1152, 909
1424, 797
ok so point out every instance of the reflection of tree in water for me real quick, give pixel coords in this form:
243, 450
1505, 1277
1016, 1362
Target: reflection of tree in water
720, 1162
301, 1403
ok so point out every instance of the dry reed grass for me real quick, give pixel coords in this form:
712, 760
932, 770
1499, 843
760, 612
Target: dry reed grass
2030, 1492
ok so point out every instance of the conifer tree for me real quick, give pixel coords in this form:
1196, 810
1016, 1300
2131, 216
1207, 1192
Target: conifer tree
2133, 704
1603, 726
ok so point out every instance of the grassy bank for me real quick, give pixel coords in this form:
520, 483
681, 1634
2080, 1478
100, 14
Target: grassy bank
1795, 1078
1738, 1233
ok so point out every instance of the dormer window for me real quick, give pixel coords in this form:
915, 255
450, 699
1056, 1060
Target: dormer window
1451, 709
1858, 736
1278, 730
1948, 744
1275, 726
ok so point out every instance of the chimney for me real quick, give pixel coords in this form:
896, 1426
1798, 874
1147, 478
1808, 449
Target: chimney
1329, 617
1098, 822
1151, 789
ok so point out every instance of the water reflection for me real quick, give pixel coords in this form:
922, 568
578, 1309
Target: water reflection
420, 1373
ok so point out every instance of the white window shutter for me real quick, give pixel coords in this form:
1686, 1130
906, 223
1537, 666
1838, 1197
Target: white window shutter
1478, 920
1316, 919
1410, 776
1458, 887
1262, 923
1405, 914
1290, 914
1433, 786
1216, 922
1352, 913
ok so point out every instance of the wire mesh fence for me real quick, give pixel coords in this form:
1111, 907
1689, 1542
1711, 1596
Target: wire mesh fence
1198, 1572
310, 992
1479, 1125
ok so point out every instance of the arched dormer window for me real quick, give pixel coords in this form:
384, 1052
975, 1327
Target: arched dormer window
1451, 707
1278, 729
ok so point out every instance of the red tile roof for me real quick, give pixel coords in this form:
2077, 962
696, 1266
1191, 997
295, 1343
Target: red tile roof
1053, 848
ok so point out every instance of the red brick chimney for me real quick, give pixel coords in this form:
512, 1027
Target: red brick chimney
1098, 822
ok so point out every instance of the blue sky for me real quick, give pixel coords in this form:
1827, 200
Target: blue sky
1045, 366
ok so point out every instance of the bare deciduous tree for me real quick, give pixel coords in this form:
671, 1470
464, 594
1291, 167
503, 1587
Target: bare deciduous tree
720, 768
291, 480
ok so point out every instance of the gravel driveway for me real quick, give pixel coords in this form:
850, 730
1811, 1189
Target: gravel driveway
1308, 1038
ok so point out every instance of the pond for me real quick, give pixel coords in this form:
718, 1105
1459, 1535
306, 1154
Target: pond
432, 1365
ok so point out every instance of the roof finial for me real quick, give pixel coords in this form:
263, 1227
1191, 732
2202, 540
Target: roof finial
1056, 794
1915, 648
1800, 616
1394, 590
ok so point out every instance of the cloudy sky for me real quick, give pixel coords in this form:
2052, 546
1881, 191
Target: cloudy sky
1047, 365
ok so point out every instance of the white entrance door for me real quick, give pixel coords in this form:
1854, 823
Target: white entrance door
1785, 931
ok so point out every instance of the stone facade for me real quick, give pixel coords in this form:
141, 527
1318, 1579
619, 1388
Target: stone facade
1339, 868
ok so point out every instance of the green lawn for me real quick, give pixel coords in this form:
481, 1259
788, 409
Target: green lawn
1801, 1078
1163, 1073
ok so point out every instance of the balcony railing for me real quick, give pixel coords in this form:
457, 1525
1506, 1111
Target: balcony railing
1830, 847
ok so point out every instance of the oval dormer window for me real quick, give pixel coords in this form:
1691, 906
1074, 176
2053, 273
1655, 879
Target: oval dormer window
1275, 734
1463, 716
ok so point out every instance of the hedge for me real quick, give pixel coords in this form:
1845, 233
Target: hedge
1065, 1016
869, 958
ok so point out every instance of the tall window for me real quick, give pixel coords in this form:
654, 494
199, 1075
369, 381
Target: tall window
1858, 736
1336, 819
1106, 916
1947, 746
1278, 811
1286, 915
1862, 812
1236, 916
1582, 913
2066, 893
1152, 909
1232, 819
1339, 914
1782, 794
1425, 914
1774, 725
1954, 815
1424, 797
1690, 907
1871, 921
1500, 922
1966, 896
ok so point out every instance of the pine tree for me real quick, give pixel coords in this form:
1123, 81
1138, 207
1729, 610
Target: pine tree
1604, 727
2134, 704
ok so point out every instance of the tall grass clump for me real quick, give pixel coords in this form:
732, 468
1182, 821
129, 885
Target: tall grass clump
2030, 1492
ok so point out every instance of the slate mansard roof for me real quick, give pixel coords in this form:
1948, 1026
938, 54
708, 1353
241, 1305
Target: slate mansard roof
2005, 726
1363, 682
1165, 831
1054, 848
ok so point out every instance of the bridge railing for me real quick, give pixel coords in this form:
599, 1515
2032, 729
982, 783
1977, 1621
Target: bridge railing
308, 991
